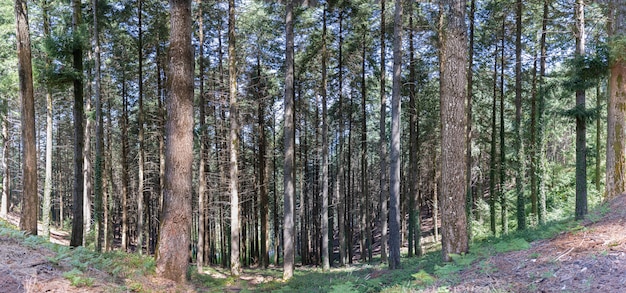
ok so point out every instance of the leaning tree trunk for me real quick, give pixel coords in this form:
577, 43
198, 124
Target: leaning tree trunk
453, 87
173, 253
30, 198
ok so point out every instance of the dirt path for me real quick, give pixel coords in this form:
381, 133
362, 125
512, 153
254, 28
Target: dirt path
592, 259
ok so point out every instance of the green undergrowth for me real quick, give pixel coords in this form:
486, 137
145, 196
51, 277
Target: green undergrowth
426, 272
81, 260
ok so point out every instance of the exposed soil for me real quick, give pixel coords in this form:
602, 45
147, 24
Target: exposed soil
592, 259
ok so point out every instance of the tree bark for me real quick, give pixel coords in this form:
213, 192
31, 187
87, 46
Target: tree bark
140, 136
453, 90
30, 198
326, 230
98, 164
172, 253
394, 171
202, 182
233, 144
517, 125
384, 173
581, 126
289, 134
47, 189
79, 132
616, 117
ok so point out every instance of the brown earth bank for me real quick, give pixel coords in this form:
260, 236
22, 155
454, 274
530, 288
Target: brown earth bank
590, 259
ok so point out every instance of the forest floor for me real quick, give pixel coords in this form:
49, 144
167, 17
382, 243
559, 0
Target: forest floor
590, 256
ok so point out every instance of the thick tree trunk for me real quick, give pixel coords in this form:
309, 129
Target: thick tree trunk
453, 91
79, 133
616, 117
30, 198
172, 253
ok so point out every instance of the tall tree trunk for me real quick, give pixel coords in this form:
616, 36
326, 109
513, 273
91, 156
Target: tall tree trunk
79, 132
87, 173
289, 134
469, 202
492, 152
384, 173
340, 182
173, 254
599, 100
140, 136
124, 159
453, 91
47, 189
98, 164
517, 125
366, 232
504, 211
233, 144
415, 231
394, 160
581, 126
326, 229
30, 198
264, 200
202, 183
6, 174
616, 117
540, 114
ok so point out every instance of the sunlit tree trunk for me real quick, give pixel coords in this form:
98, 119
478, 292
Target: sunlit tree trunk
202, 182
47, 189
233, 144
453, 91
289, 141
30, 198
517, 125
173, 254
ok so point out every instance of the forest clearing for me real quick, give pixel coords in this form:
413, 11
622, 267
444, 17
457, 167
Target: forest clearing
587, 256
